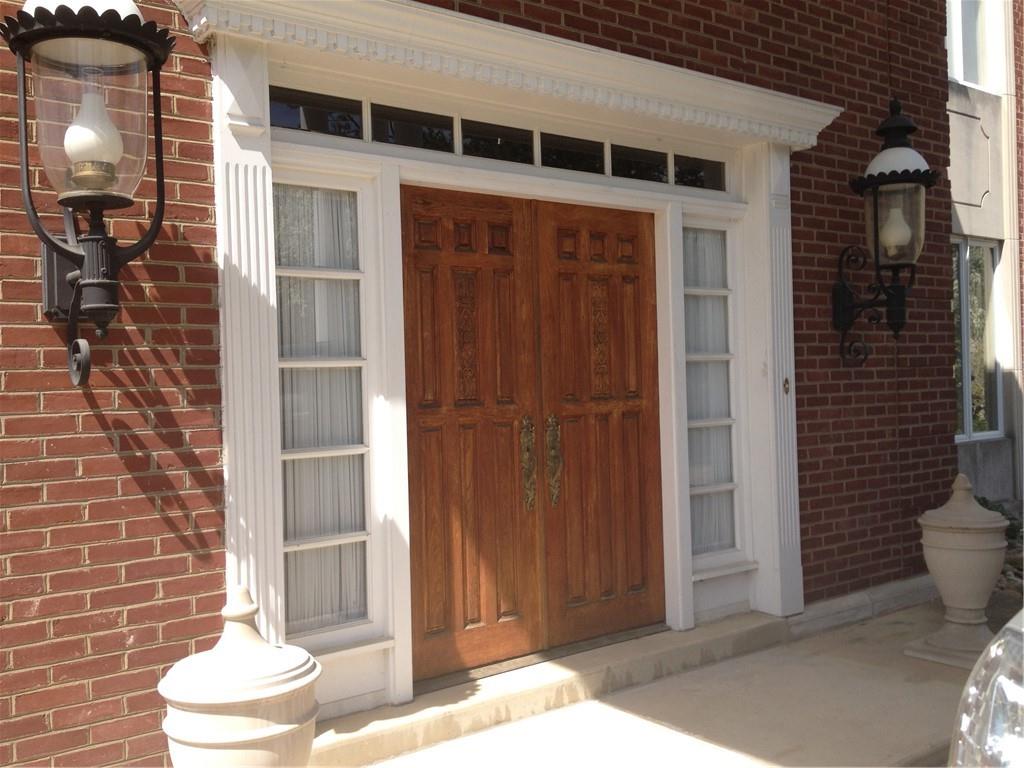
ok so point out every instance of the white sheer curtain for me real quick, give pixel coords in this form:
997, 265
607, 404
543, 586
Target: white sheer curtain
706, 312
321, 407
315, 227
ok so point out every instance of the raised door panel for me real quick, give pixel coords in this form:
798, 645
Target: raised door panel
471, 384
600, 402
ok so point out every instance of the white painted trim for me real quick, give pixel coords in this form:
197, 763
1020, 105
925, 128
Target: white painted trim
777, 587
429, 43
245, 236
675, 470
376, 171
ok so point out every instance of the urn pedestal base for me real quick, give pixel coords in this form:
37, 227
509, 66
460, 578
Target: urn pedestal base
957, 645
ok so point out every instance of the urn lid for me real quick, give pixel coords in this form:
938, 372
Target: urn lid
242, 666
962, 511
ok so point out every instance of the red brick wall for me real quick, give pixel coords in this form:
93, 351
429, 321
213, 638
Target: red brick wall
111, 561
875, 444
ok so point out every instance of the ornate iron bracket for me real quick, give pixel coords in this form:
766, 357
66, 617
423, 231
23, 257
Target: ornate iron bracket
848, 305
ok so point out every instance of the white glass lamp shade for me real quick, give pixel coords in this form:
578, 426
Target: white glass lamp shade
900, 231
91, 109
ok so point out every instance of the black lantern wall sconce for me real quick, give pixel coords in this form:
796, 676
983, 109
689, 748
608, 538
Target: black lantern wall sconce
89, 85
893, 190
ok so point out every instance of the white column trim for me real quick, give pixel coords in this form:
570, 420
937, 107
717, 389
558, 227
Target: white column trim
675, 471
778, 585
245, 240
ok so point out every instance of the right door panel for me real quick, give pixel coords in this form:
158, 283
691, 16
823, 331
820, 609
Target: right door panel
603, 549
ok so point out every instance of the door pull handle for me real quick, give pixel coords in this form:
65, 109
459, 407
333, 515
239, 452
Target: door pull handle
553, 444
528, 461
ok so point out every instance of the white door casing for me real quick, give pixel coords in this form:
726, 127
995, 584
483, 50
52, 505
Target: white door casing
407, 52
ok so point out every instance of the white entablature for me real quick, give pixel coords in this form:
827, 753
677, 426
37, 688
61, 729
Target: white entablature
522, 64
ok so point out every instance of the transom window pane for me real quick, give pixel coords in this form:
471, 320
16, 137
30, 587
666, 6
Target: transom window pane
498, 142
392, 125
314, 112
318, 318
642, 164
698, 172
571, 153
315, 227
325, 587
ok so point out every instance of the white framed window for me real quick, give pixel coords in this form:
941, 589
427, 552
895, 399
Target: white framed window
323, 410
710, 327
976, 368
976, 42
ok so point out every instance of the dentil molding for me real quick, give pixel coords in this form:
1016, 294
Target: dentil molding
406, 35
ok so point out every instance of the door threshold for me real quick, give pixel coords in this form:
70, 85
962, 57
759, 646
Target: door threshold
464, 676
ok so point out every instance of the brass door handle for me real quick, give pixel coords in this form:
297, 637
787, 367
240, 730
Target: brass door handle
528, 461
553, 445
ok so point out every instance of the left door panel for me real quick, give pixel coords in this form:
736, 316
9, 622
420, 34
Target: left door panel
471, 385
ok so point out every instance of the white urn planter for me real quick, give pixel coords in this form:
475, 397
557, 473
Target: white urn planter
244, 702
964, 547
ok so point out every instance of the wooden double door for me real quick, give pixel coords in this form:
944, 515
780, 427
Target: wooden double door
534, 465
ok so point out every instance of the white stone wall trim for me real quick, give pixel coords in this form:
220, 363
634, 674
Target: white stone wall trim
400, 34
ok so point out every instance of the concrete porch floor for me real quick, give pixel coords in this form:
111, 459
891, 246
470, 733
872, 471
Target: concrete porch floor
847, 696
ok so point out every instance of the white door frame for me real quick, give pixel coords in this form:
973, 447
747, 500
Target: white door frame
766, 577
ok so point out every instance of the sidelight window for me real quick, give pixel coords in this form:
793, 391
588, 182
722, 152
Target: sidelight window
709, 362
975, 368
323, 412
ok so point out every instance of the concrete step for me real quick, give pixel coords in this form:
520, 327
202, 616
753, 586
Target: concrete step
367, 737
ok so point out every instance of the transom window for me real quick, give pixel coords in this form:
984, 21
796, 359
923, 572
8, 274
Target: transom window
336, 116
323, 413
975, 368
709, 361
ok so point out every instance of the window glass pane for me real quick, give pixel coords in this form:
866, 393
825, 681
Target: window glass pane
972, 31
315, 227
498, 142
392, 125
318, 318
639, 164
710, 456
321, 408
707, 390
707, 326
704, 264
697, 172
574, 154
712, 524
981, 329
958, 359
323, 497
325, 587
316, 112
